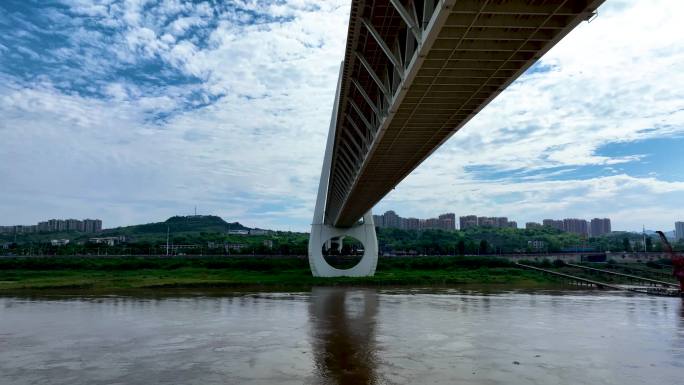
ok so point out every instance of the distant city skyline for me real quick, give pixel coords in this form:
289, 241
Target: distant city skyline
592, 227
390, 219
468, 221
55, 225
134, 114
589, 227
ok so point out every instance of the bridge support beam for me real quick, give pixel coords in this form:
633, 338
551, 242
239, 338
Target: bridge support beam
364, 232
322, 231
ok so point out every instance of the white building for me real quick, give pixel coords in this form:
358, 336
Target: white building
109, 241
235, 246
679, 230
259, 232
536, 245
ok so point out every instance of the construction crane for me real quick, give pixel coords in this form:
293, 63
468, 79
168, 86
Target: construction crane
677, 261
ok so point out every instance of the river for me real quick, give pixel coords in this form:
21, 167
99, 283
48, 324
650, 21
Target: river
343, 336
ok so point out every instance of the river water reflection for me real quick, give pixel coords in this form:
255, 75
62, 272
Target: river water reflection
344, 336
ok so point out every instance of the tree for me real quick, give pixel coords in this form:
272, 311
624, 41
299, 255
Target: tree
483, 246
626, 245
461, 247
649, 244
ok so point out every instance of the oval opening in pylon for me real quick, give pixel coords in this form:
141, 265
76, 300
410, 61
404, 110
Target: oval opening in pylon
343, 252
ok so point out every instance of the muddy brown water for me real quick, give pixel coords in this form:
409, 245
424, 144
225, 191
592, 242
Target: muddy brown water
343, 336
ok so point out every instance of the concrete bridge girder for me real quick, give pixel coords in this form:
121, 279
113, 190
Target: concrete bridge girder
426, 67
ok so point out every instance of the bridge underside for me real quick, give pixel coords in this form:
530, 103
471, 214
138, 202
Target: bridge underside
415, 72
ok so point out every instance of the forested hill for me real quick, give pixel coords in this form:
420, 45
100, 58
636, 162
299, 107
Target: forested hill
192, 223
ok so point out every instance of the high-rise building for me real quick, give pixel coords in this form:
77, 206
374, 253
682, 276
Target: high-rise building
486, 222
497, 222
448, 221
92, 225
467, 221
554, 224
599, 226
55, 225
412, 224
679, 230
391, 219
577, 226
430, 224
501, 222
74, 225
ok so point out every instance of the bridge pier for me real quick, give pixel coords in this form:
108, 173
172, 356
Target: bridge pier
322, 232
364, 232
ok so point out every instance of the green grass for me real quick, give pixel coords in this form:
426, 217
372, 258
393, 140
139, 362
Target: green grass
154, 273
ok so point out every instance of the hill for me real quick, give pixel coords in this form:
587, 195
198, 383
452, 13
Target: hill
178, 224
187, 226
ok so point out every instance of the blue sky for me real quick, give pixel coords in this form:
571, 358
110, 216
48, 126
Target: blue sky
133, 111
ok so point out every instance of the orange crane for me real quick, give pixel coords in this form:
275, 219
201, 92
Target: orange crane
677, 261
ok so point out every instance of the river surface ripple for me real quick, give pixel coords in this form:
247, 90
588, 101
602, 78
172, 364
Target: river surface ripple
344, 336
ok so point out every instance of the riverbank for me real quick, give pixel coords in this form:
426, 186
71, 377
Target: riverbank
101, 275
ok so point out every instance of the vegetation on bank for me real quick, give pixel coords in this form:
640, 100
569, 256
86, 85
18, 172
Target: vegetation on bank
489, 240
103, 274
206, 234
211, 235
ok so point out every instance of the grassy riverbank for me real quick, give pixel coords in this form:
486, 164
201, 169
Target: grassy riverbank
103, 274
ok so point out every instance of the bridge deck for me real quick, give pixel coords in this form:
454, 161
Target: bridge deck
406, 90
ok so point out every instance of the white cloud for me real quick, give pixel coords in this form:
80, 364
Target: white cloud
253, 155
254, 152
616, 79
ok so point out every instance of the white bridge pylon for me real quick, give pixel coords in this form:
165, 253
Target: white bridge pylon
321, 229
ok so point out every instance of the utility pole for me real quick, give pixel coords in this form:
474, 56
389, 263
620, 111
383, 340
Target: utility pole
643, 232
228, 249
167, 240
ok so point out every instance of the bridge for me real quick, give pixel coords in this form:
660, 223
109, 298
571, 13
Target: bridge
414, 73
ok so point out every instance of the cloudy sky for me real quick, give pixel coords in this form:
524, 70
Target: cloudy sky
133, 111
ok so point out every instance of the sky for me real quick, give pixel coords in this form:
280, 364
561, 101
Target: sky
134, 111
